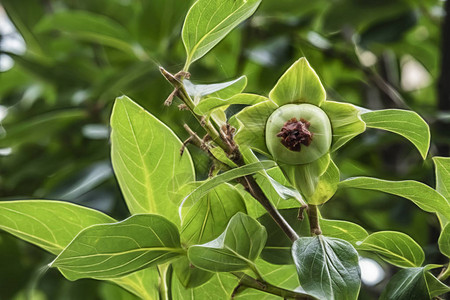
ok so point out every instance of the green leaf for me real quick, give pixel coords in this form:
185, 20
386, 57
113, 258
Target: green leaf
209, 216
299, 84
345, 121
442, 166
92, 27
48, 224
422, 195
396, 248
235, 249
327, 267
221, 156
112, 250
350, 232
305, 178
278, 246
209, 104
39, 128
413, 283
143, 283
444, 241
209, 184
220, 286
251, 122
326, 186
146, 161
209, 21
222, 90
403, 122
189, 275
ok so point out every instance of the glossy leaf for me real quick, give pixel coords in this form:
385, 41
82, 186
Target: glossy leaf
251, 122
403, 122
278, 246
142, 283
444, 241
327, 267
413, 283
92, 27
209, 216
299, 84
442, 168
345, 121
235, 249
189, 275
113, 250
209, 184
350, 232
48, 224
146, 160
209, 21
326, 186
220, 286
396, 248
207, 105
223, 90
422, 195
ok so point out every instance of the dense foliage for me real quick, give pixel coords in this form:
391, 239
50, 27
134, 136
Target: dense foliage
191, 224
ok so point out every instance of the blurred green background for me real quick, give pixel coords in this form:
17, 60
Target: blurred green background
63, 62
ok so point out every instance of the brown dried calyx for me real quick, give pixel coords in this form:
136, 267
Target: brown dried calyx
295, 133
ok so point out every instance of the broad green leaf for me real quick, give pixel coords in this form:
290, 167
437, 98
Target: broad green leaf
93, 28
444, 241
209, 184
350, 232
220, 286
403, 122
146, 161
299, 84
251, 122
235, 249
143, 283
327, 267
345, 121
326, 186
222, 90
209, 21
442, 166
209, 104
422, 195
209, 216
189, 275
305, 178
278, 246
396, 248
113, 250
39, 128
48, 224
413, 283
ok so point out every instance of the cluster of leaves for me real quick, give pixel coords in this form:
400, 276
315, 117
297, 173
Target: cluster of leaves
215, 226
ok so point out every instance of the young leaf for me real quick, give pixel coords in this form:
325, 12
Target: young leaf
50, 225
139, 282
190, 276
209, 21
299, 84
146, 160
422, 195
442, 166
220, 286
209, 104
209, 184
209, 216
413, 283
350, 232
326, 186
92, 27
327, 267
222, 90
113, 250
444, 241
235, 249
403, 122
278, 246
396, 248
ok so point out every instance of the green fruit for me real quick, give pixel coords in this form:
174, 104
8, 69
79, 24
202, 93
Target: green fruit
298, 133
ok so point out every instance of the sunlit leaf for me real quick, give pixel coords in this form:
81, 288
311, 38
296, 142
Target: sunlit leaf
221, 90
207, 105
350, 232
444, 241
